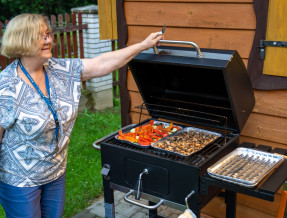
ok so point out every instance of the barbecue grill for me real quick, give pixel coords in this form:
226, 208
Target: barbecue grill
207, 89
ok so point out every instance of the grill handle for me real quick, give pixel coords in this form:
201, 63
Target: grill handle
139, 204
199, 54
187, 197
139, 185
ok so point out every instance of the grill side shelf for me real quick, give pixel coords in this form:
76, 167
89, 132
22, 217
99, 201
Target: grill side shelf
207, 181
265, 190
279, 176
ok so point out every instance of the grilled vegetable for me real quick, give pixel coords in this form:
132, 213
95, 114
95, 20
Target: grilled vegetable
148, 133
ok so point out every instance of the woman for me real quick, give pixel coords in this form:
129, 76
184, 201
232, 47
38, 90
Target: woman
39, 97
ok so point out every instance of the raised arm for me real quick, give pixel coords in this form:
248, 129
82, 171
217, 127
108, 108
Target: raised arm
110, 61
1, 133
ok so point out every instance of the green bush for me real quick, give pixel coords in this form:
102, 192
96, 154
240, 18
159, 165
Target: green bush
11, 8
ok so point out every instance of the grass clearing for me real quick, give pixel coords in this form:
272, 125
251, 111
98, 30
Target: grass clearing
84, 181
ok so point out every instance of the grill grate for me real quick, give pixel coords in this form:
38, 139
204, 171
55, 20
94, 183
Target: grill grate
207, 152
196, 159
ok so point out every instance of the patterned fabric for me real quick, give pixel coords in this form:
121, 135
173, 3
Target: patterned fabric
29, 155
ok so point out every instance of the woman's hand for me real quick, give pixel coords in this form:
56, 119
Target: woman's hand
151, 40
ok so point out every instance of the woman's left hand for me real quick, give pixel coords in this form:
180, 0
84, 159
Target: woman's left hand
151, 40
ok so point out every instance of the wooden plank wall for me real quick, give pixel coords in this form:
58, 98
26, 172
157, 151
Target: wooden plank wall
221, 24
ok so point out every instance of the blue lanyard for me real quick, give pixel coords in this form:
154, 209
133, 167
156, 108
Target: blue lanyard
47, 100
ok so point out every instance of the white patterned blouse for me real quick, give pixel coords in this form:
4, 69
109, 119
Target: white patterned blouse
29, 154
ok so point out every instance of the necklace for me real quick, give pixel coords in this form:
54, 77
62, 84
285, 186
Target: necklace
38, 81
46, 99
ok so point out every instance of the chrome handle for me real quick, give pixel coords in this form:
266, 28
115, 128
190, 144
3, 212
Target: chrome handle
199, 54
187, 197
139, 204
139, 185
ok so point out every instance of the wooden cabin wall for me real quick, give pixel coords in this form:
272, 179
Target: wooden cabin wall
220, 24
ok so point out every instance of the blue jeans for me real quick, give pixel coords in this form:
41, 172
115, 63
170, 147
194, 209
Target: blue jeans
46, 201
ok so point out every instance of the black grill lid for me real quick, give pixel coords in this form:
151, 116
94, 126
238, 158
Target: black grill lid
212, 91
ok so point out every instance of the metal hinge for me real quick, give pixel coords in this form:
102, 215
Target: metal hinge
264, 43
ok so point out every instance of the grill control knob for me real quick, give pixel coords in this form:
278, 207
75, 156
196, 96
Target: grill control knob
105, 171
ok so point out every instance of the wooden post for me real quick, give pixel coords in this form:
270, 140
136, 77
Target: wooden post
75, 46
108, 29
107, 19
62, 41
67, 21
122, 43
115, 81
55, 45
81, 44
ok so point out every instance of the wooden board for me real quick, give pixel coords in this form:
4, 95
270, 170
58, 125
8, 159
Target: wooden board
136, 100
276, 31
261, 142
216, 208
107, 19
246, 207
259, 204
240, 40
266, 127
135, 117
273, 103
131, 84
203, 15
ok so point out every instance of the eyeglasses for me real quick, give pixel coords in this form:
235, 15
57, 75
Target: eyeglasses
47, 35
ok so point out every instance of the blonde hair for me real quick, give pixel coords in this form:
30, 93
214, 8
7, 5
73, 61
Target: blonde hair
22, 34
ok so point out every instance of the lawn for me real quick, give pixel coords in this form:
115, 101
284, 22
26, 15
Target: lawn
83, 180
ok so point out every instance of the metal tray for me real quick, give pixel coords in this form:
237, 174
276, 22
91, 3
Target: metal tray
156, 122
190, 146
245, 167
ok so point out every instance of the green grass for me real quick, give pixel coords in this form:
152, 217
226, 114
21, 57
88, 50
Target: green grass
84, 181
83, 178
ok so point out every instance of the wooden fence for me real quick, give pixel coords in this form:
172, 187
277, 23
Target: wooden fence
68, 40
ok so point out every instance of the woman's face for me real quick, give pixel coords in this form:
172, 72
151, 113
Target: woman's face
45, 43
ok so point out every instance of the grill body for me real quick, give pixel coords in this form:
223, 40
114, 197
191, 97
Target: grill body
176, 85
170, 177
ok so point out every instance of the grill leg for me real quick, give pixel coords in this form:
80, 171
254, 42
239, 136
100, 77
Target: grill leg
230, 200
109, 200
152, 213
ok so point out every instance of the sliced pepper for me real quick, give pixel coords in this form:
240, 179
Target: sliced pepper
151, 122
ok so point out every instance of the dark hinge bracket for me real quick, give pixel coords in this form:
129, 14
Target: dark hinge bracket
264, 43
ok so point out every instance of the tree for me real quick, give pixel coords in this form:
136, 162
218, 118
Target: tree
11, 8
